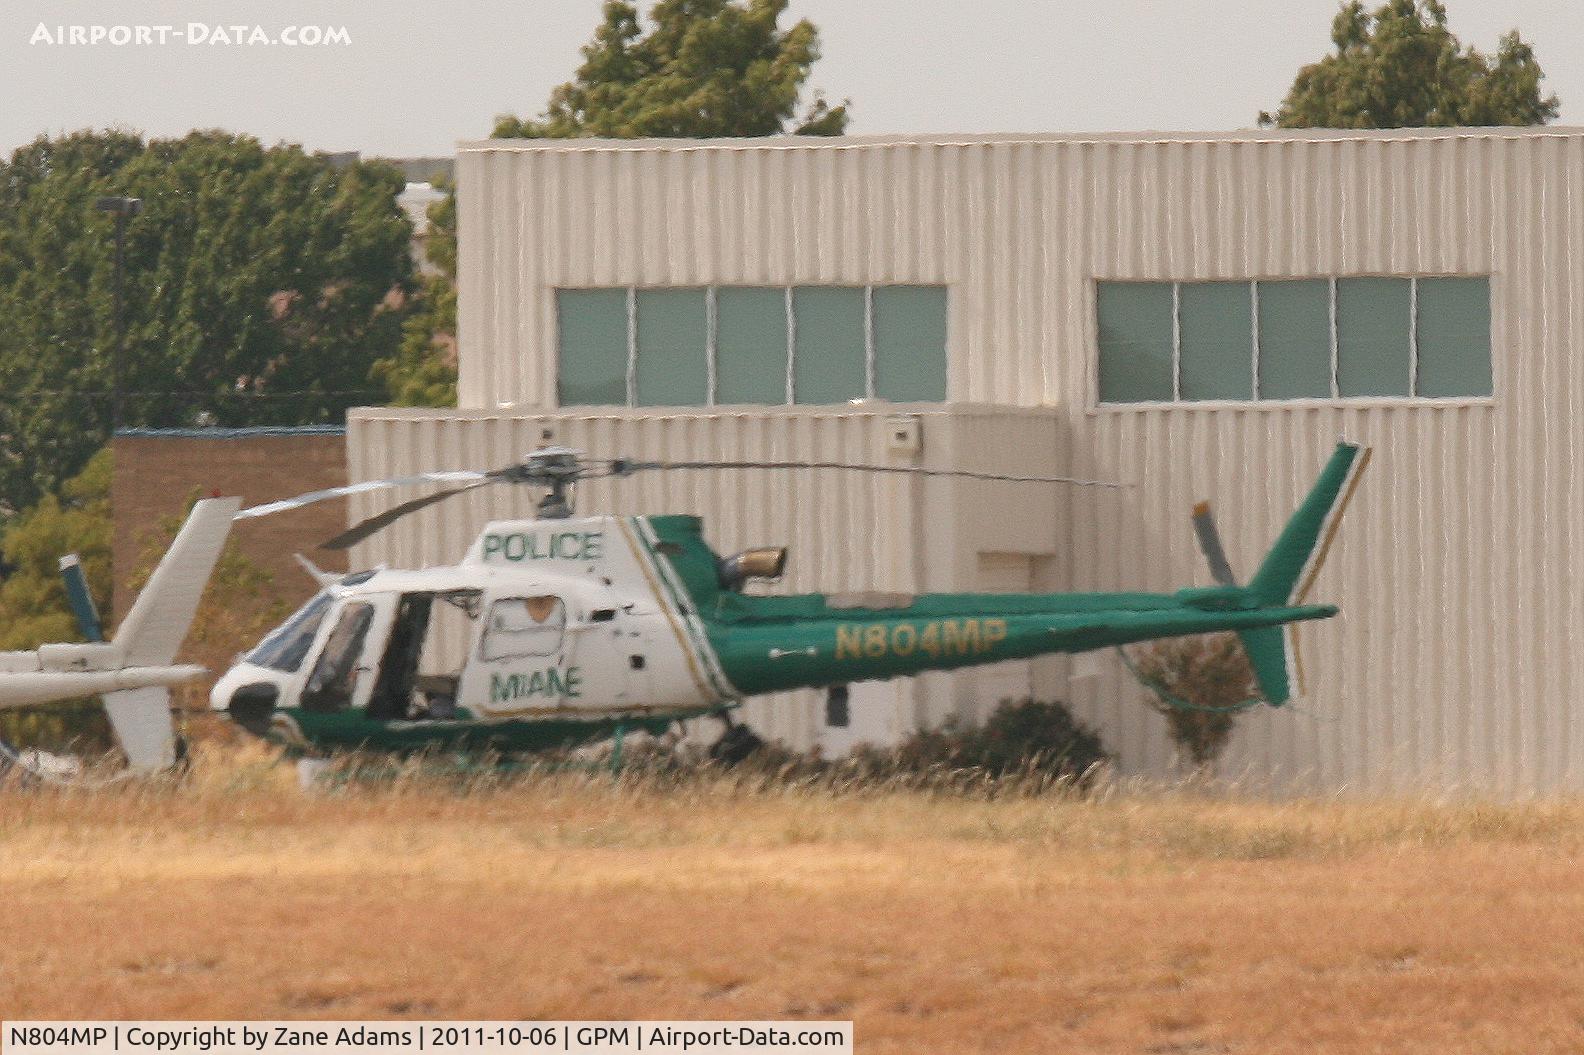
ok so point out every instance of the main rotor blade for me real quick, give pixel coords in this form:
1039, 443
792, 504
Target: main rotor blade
1210, 543
451, 476
620, 467
363, 529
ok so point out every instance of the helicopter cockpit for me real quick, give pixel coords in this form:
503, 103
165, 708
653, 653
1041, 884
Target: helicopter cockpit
394, 656
396, 647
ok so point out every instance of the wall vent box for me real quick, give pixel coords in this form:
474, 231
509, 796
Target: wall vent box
1088, 665
904, 434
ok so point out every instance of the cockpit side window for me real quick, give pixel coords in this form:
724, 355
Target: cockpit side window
287, 645
523, 626
334, 676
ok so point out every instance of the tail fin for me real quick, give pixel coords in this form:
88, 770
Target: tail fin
142, 722
1290, 568
153, 630
1273, 653
1292, 564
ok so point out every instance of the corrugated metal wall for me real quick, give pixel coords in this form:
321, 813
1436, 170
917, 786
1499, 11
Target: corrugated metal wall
1452, 664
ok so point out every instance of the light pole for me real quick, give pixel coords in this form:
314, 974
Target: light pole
122, 209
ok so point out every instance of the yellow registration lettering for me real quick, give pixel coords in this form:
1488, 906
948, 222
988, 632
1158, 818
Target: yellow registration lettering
995, 632
929, 640
960, 639
875, 641
849, 642
904, 639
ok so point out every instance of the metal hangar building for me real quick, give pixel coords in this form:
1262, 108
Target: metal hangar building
1201, 315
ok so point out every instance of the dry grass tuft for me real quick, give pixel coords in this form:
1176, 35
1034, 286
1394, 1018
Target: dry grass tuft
945, 915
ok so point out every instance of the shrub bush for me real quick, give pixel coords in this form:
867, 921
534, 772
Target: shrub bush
1211, 673
1035, 737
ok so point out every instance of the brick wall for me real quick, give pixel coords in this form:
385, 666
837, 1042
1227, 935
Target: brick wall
157, 470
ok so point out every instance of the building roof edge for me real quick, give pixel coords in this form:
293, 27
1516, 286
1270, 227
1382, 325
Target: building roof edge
1144, 138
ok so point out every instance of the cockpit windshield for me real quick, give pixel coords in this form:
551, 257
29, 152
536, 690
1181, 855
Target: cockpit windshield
285, 646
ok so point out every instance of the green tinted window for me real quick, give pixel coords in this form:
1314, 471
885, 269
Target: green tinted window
1295, 339
1454, 337
1216, 330
910, 343
750, 345
593, 332
1363, 332
1135, 341
828, 364
1373, 353
673, 348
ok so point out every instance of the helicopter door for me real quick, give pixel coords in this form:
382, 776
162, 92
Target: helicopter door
344, 673
524, 661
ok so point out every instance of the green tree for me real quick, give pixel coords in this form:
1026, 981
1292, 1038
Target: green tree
1401, 67
704, 69
33, 607
259, 290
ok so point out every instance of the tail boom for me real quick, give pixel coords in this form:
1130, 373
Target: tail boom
888, 643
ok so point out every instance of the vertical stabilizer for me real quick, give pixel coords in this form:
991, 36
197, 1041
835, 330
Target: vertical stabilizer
1290, 570
155, 627
1294, 561
141, 719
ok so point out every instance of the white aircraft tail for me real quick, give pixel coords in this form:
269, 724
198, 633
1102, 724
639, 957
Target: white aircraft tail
155, 628
143, 727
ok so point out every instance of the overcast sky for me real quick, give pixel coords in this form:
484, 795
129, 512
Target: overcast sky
419, 75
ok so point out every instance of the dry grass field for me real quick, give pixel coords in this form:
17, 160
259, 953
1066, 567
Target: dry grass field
938, 922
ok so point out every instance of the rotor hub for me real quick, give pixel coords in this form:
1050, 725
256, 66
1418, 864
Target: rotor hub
556, 469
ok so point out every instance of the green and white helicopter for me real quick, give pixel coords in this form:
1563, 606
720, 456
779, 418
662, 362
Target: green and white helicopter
571, 630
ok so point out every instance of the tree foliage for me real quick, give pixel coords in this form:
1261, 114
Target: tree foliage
33, 606
1399, 66
258, 288
706, 68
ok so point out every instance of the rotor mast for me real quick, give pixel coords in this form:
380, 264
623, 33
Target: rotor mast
557, 470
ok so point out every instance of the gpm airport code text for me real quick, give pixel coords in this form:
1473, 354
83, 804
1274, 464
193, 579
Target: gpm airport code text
452, 1038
